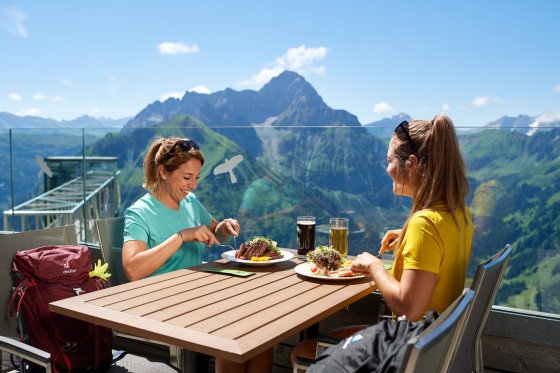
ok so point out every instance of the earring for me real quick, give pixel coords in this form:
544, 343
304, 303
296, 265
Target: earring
163, 177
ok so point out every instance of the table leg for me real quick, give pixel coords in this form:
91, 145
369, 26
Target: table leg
194, 361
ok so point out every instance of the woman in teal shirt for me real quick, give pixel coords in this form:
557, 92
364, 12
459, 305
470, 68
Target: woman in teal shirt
168, 228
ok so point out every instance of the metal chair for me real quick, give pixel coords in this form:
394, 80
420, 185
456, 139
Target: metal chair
432, 350
9, 245
486, 282
110, 233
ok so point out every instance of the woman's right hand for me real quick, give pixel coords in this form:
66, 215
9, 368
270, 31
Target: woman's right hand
389, 241
199, 234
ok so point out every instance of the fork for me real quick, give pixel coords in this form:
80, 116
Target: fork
235, 249
228, 246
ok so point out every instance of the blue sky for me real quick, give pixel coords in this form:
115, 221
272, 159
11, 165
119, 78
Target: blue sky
474, 60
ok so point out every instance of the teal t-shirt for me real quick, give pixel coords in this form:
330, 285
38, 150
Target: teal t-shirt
152, 222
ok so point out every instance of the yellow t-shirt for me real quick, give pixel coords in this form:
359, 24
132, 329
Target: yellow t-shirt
433, 242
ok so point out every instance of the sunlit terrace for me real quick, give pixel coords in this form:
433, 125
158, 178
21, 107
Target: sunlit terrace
324, 171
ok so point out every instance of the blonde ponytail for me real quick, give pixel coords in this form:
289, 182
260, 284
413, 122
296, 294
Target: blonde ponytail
442, 174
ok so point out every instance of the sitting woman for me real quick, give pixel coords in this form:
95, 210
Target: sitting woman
433, 248
168, 228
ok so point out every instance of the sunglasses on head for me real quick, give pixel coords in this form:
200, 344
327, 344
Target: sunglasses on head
185, 145
404, 127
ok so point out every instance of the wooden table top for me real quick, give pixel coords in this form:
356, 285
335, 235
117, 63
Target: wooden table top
235, 318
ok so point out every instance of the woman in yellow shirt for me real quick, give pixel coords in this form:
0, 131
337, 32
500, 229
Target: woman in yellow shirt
433, 248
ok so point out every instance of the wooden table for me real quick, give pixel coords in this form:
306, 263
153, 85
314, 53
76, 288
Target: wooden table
235, 318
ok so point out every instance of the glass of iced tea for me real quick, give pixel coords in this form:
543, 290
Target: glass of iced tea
338, 237
305, 234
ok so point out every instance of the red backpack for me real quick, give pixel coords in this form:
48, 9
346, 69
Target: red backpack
51, 273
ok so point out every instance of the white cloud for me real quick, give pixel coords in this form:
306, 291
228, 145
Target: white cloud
482, 101
382, 107
445, 108
200, 89
39, 96
172, 48
262, 77
14, 97
11, 20
557, 88
548, 118
94, 110
300, 59
169, 95
42, 97
33, 112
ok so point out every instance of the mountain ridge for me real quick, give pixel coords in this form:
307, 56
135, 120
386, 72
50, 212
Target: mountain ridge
8, 120
288, 98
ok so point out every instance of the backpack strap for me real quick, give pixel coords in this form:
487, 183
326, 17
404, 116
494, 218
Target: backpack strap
19, 293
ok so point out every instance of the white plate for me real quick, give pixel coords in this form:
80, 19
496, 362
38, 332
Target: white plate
303, 269
230, 255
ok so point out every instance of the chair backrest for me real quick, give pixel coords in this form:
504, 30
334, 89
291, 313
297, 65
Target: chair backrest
486, 282
12, 243
431, 350
110, 232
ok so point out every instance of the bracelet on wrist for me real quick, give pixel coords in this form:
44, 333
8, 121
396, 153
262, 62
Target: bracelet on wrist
180, 233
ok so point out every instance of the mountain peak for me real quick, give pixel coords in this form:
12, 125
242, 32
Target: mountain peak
288, 87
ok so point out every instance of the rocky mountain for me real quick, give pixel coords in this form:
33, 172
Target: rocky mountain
287, 100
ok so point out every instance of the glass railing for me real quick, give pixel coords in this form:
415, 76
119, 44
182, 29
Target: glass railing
55, 177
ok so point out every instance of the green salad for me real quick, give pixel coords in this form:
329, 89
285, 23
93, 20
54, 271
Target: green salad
326, 258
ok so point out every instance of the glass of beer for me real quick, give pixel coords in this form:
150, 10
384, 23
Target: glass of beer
305, 234
338, 237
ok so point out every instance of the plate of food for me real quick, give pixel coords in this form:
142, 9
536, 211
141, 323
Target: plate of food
325, 263
258, 251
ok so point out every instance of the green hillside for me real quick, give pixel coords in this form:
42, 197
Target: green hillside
516, 199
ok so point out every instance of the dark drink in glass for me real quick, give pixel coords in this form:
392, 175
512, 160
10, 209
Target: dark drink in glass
305, 234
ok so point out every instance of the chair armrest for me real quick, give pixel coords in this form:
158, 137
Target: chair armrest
26, 352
